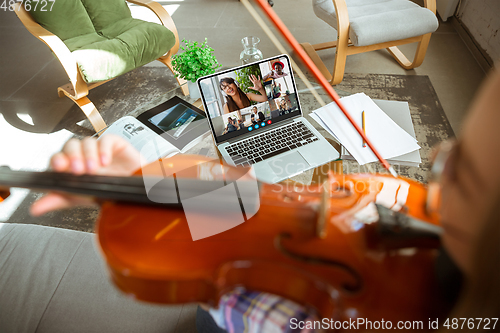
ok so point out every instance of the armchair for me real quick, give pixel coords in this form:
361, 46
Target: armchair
96, 41
367, 25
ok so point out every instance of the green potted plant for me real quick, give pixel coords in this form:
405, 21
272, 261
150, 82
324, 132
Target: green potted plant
195, 61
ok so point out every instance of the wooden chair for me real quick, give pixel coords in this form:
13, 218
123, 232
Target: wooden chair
78, 89
368, 25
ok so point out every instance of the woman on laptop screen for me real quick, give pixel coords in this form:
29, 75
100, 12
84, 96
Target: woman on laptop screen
236, 99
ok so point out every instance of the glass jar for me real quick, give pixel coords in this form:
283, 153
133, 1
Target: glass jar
250, 53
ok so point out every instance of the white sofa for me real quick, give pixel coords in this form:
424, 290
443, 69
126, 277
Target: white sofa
54, 280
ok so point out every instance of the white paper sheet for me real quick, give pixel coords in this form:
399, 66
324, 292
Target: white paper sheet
387, 137
322, 123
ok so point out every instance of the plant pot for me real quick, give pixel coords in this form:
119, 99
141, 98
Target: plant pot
193, 90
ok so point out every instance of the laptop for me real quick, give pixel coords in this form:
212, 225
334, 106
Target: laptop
256, 120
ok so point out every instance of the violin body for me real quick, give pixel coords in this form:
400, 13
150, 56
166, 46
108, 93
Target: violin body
307, 244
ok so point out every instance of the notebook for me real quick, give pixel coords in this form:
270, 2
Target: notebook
399, 112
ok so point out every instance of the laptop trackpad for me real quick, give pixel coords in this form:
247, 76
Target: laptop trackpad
288, 165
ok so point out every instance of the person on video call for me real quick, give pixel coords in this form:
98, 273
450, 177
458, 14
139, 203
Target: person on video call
276, 89
470, 214
283, 107
241, 124
236, 99
259, 115
253, 119
232, 125
277, 71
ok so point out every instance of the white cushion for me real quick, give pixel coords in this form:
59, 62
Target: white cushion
53, 280
378, 21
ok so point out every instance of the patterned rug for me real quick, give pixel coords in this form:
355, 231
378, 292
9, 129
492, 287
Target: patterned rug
139, 90
429, 120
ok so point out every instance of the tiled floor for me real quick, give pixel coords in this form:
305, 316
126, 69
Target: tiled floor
29, 74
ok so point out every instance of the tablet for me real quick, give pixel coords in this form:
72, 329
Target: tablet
176, 120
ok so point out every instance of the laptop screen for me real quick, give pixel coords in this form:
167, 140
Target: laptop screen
249, 98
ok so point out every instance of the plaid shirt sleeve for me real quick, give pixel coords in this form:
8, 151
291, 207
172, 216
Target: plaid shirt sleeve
255, 312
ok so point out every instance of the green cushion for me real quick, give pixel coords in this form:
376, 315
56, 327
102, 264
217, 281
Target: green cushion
76, 43
65, 19
106, 12
125, 45
103, 37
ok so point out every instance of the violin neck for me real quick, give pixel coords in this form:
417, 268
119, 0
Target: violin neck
124, 189
396, 230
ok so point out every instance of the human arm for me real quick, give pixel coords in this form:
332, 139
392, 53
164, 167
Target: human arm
471, 179
268, 75
111, 156
257, 86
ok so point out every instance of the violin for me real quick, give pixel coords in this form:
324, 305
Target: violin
335, 247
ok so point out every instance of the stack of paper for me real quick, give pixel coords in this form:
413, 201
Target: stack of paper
393, 142
400, 114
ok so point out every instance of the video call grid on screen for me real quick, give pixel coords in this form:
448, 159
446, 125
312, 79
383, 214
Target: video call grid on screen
229, 120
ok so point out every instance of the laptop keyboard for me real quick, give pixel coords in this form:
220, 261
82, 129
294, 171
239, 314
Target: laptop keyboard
269, 144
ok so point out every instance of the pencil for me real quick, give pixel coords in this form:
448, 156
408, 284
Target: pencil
364, 126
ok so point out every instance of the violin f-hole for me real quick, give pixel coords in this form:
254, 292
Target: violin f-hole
349, 287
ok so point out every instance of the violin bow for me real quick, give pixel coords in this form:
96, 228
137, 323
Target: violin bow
314, 70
